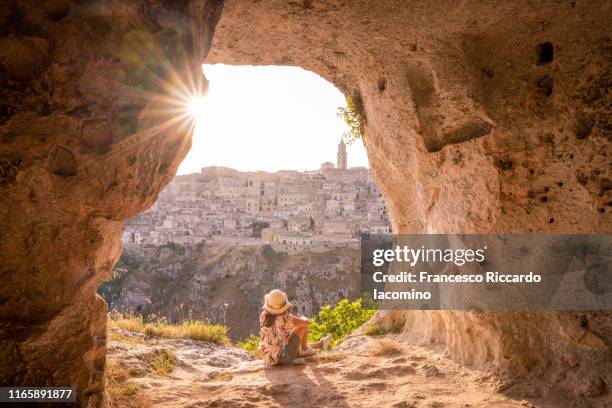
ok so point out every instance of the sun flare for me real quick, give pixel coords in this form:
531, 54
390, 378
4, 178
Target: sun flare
196, 107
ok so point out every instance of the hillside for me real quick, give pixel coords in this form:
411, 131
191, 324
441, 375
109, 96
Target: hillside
180, 282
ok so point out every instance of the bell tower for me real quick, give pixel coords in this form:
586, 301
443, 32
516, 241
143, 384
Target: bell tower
341, 157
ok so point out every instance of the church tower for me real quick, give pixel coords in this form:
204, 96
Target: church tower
341, 161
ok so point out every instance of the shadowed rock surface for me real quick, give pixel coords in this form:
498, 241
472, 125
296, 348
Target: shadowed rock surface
473, 125
88, 140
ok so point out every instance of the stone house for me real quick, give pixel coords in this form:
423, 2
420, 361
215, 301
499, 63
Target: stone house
299, 224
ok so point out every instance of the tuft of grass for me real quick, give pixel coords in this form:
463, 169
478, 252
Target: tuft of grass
214, 333
194, 329
124, 339
330, 356
397, 322
130, 388
394, 322
374, 329
386, 348
119, 392
163, 362
129, 323
115, 373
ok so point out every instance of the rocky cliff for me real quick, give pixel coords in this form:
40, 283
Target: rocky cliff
226, 283
89, 136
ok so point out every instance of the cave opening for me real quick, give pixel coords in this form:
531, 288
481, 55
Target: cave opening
270, 184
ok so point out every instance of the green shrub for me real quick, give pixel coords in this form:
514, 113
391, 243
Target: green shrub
340, 321
353, 118
250, 344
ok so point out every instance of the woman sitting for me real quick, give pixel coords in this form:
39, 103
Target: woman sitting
283, 336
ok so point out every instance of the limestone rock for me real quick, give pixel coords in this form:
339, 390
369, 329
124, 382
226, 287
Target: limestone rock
595, 388
537, 167
134, 352
97, 135
24, 58
86, 143
63, 162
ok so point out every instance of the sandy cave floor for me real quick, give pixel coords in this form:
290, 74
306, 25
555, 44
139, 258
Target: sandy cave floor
364, 371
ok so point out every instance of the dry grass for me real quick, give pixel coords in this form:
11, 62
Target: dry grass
386, 348
130, 323
331, 356
192, 329
393, 322
130, 388
195, 329
374, 329
121, 393
397, 322
163, 362
125, 339
115, 373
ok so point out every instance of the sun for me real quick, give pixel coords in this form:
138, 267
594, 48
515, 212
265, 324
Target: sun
196, 107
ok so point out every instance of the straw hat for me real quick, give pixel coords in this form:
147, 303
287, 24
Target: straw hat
276, 302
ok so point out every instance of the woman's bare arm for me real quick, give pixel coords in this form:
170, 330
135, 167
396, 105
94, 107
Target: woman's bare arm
300, 321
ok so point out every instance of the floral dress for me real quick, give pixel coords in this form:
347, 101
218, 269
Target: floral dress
273, 339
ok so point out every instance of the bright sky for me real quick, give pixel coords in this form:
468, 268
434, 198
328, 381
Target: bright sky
268, 118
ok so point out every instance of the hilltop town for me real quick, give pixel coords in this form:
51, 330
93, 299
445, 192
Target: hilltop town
289, 210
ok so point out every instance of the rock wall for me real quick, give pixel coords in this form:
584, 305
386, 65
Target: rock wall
88, 138
481, 117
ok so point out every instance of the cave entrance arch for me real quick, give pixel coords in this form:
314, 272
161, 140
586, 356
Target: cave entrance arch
232, 145
468, 126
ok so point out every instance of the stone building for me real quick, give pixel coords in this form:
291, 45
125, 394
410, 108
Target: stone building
299, 224
339, 227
